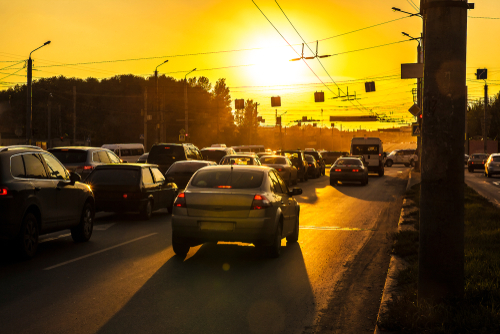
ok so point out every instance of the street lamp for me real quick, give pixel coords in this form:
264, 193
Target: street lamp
28, 104
162, 130
402, 11
186, 102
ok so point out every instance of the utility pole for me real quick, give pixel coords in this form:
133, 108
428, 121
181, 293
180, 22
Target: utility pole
60, 122
485, 133
146, 119
49, 140
420, 60
441, 250
321, 125
29, 113
74, 115
217, 113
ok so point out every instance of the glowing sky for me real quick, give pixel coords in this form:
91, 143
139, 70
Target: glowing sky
109, 30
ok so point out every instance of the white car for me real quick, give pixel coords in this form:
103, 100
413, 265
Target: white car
405, 157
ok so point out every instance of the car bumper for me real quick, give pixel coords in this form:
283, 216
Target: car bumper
202, 229
493, 171
120, 205
476, 166
348, 177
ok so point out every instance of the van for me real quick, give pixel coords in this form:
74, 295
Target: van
126, 152
164, 154
372, 150
249, 148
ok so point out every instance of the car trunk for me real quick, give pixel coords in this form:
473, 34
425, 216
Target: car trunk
116, 192
222, 203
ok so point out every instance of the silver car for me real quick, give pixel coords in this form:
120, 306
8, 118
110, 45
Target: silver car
283, 165
249, 204
492, 165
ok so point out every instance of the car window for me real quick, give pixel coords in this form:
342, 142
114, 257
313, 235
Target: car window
273, 160
147, 178
34, 166
159, 178
115, 176
125, 152
348, 162
275, 183
70, 156
103, 157
95, 157
166, 154
17, 166
237, 161
213, 155
56, 170
364, 149
227, 179
113, 158
284, 188
496, 159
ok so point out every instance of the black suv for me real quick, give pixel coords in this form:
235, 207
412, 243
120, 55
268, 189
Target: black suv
164, 155
298, 160
37, 196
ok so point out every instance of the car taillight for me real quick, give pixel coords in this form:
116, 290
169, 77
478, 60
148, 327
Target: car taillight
472, 162
280, 169
125, 195
260, 202
180, 201
3, 191
224, 187
355, 170
338, 170
88, 167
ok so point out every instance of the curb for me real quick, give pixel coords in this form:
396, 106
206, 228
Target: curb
396, 265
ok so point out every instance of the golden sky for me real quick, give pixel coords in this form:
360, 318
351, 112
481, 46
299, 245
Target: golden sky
190, 34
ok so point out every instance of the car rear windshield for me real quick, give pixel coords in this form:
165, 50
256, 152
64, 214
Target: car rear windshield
496, 159
166, 154
185, 167
228, 179
314, 154
111, 176
479, 156
364, 149
348, 162
70, 156
237, 160
213, 155
309, 158
273, 160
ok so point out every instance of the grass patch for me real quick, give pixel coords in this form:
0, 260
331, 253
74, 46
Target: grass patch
479, 311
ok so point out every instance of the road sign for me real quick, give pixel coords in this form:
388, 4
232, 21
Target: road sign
319, 97
415, 129
370, 86
414, 110
182, 137
412, 71
275, 101
182, 131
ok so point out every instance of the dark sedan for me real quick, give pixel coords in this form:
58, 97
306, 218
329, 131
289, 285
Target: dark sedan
348, 169
314, 168
131, 187
477, 161
181, 171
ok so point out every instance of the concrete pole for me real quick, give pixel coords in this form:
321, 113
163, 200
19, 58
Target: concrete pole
186, 125
441, 252
485, 133
146, 119
74, 115
49, 136
28, 104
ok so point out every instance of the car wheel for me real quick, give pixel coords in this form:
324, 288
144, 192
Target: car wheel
274, 249
27, 239
470, 170
412, 163
170, 209
83, 231
381, 171
389, 163
294, 237
180, 248
305, 177
147, 211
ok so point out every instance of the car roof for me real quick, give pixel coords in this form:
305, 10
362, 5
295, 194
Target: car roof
222, 149
80, 148
18, 149
191, 162
243, 167
124, 166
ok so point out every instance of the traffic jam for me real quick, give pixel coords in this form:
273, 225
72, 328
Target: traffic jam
233, 194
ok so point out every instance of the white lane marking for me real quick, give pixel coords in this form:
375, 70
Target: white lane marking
496, 183
55, 238
95, 253
334, 228
103, 227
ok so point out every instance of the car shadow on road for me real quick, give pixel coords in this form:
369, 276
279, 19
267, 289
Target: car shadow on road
223, 288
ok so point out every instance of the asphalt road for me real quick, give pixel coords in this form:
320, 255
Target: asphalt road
127, 279
486, 187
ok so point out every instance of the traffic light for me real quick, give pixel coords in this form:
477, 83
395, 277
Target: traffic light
482, 74
370, 86
275, 101
319, 97
304, 118
239, 104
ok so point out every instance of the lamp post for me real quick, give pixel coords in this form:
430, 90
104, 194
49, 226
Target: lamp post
281, 137
186, 103
162, 125
28, 104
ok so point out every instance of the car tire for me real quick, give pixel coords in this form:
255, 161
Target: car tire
147, 211
412, 163
389, 163
180, 248
364, 182
83, 231
470, 170
170, 209
274, 249
305, 177
27, 239
488, 175
294, 237
381, 171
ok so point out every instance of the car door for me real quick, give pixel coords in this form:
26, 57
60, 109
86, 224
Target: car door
68, 194
291, 206
44, 189
281, 199
164, 188
293, 170
150, 187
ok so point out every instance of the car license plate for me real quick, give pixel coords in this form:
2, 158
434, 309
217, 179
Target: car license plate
217, 226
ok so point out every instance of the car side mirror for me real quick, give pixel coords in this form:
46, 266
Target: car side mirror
74, 177
295, 191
